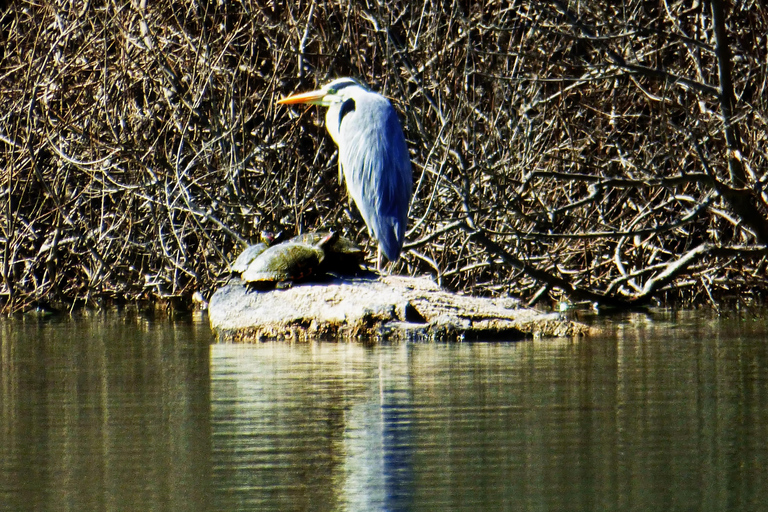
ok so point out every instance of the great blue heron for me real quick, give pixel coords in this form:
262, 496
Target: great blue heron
373, 157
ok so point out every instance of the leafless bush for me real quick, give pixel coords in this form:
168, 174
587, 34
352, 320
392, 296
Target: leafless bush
559, 148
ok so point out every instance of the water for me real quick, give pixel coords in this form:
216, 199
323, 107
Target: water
128, 414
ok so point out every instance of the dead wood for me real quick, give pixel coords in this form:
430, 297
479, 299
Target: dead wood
589, 151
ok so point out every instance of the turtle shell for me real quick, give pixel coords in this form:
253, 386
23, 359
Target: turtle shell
342, 255
266, 239
289, 261
250, 253
339, 245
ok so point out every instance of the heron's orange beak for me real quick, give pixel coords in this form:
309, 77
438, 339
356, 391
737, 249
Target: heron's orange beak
313, 98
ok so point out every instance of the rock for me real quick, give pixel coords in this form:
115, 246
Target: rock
374, 308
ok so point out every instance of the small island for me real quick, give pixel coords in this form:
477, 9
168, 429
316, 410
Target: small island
374, 308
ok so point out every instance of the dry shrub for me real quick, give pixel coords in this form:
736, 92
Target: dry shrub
557, 147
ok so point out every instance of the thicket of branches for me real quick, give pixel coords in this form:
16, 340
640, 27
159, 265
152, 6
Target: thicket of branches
609, 153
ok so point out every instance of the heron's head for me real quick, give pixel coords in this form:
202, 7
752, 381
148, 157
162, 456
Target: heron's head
336, 91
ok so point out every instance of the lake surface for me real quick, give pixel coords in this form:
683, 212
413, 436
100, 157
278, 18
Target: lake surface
110, 413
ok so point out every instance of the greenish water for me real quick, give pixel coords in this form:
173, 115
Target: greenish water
111, 413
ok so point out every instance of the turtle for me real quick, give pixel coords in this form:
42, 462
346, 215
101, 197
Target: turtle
283, 264
250, 253
342, 255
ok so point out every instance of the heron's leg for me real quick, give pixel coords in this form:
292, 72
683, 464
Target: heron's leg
379, 260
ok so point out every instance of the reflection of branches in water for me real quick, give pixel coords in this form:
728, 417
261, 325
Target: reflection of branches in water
590, 155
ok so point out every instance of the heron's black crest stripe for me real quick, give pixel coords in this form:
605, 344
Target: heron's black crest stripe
346, 107
341, 85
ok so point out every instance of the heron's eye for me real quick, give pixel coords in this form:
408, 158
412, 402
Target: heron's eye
332, 90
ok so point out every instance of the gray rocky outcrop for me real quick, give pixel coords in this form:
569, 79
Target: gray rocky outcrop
374, 309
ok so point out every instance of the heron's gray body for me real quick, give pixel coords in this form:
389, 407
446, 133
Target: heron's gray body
373, 157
